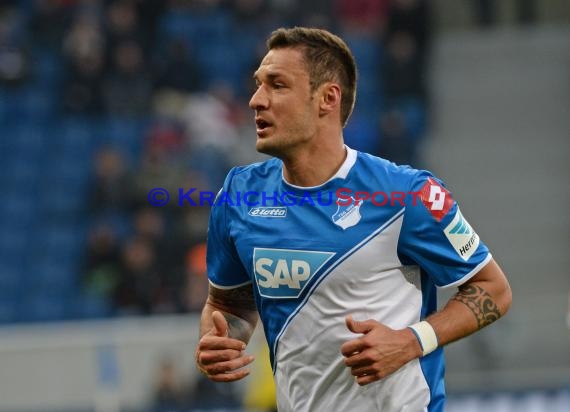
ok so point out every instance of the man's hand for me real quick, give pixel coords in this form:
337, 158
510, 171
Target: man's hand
220, 357
380, 350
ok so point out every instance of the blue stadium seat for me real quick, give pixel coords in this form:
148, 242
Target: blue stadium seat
41, 307
62, 242
127, 135
61, 200
76, 137
8, 312
28, 135
195, 27
29, 104
92, 307
51, 277
40, 104
415, 114
223, 63
20, 174
18, 207
362, 132
367, 51
26, 146
215, 26
63, 171
4, 108
368, 96
13, 242
174, 24
10, 281
48, 69
9, 300
119, 221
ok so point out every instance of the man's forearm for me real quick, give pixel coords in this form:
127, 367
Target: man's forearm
476, 305
238, 327
238, 307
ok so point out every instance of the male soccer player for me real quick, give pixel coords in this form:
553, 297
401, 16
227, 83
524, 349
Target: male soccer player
338, 252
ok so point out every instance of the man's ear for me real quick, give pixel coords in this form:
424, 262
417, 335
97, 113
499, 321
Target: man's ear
330, 98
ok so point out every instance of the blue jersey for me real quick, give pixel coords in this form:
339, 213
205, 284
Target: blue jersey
374, 242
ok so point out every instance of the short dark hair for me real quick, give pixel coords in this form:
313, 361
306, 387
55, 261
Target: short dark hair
327, 57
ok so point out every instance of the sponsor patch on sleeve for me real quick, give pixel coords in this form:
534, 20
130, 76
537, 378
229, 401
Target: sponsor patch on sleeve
462, 236
436, 199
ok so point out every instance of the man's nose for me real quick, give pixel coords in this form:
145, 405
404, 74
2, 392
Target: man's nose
259, 99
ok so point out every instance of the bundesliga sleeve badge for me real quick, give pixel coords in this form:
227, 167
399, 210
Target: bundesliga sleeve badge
462, 236
436, 199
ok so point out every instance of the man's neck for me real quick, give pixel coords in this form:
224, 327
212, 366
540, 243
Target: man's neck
313, 166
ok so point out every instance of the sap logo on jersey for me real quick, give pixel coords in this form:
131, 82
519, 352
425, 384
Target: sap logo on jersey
460, 234
284, 273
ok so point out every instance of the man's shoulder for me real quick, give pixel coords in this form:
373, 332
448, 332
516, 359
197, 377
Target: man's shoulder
266, 166
255, 173
387, 169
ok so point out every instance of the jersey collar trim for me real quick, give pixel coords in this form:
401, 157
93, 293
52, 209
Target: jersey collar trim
341, 173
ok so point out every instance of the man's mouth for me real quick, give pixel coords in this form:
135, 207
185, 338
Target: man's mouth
262, 124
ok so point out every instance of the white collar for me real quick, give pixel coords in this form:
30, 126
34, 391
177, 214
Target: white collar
341, 173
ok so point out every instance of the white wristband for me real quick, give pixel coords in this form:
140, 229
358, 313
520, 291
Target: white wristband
426, 336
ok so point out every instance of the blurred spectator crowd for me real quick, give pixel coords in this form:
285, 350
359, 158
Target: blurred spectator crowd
131, 95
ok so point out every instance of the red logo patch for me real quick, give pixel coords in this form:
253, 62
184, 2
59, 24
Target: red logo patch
436, 199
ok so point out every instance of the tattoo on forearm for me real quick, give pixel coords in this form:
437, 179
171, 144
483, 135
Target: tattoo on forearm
241, 297
238, 327
238, 307
479, 303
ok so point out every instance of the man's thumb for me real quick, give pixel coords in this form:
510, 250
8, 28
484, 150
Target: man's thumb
357, 326
220, 324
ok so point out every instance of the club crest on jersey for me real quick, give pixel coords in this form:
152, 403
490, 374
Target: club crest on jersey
284, 273
436, 199
462, 236
349, 215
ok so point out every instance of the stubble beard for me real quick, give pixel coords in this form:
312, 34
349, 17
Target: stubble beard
279, 146
271, 148
284, 143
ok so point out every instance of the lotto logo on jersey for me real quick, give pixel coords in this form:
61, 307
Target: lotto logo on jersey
284, 273
461, 236
278, 211
436, 199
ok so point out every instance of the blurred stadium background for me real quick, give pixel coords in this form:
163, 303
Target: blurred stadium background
102, 101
